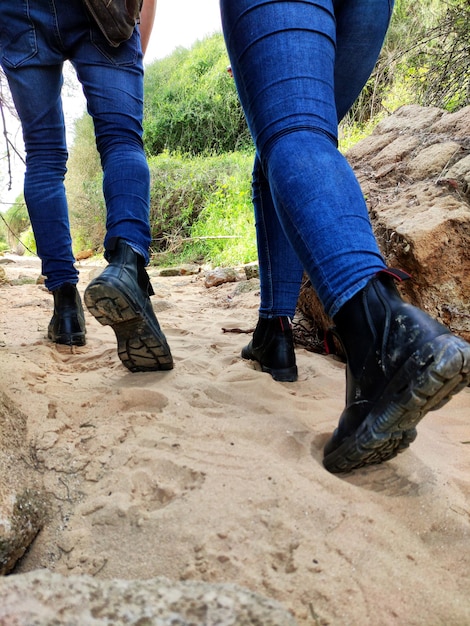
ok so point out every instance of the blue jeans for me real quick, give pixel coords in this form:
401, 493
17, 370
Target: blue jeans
36, 37
299, 65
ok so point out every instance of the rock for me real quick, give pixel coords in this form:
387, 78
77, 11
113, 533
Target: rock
170, 271
22, 503
454, 124
414, 171
219, 276
43, 598
245, 286
188, 269
433, 160
84, 254
251, 270
3, 277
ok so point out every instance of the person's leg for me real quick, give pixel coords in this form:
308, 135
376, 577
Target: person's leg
112, 80
35, 85
361, 27
34, 70
280, 270
360, 31
289, 100
401, 363
279, 267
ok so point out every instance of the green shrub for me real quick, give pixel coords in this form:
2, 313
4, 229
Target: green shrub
16, 222
84, 183
29, 242
197, 197
191, 104
224, 233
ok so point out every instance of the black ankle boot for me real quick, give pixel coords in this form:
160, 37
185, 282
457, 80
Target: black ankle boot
67, 325
272, 347
120, 297
401, 363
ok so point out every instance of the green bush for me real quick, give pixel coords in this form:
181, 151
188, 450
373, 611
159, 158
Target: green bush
224, 233
16, 223
197, 197
444, 69
29, 242
191, 104
83, 183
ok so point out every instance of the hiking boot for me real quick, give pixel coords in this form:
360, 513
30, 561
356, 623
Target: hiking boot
272, 347
401, 364
120, 297
67, 325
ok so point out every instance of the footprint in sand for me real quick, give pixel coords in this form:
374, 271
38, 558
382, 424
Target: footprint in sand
137, 399
388, 480
144, 485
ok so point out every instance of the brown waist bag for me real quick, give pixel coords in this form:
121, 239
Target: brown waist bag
115, 18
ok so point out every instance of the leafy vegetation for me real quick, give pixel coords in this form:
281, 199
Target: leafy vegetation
200, 207
15, 226
200, 151
191, 103
83, 183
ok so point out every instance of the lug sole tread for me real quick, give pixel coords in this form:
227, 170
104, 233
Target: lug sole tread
141, 346
390, 430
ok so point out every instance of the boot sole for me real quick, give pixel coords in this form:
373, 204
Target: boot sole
426, 382
141, 346
287, 375
76, 339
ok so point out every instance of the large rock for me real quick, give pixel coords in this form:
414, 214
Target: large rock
43, 598
414, 171
22, 503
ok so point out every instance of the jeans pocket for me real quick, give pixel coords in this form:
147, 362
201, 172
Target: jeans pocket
18, 41
125, 54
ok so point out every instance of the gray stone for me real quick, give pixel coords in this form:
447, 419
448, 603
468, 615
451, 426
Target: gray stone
188, 269
43, 598
251, 270
22, 502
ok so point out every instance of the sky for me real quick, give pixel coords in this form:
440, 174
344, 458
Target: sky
178, 23
181, 23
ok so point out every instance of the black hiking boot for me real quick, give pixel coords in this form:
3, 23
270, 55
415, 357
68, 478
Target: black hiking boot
272, 347
401, 364
120, 297
67, 325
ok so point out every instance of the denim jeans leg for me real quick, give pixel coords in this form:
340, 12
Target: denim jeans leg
279, 267
361, 27
360, 30
113, 85
283, 59
46, 156
35, 80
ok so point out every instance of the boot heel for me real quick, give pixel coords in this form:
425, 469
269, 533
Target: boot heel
67, 325
272, 347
